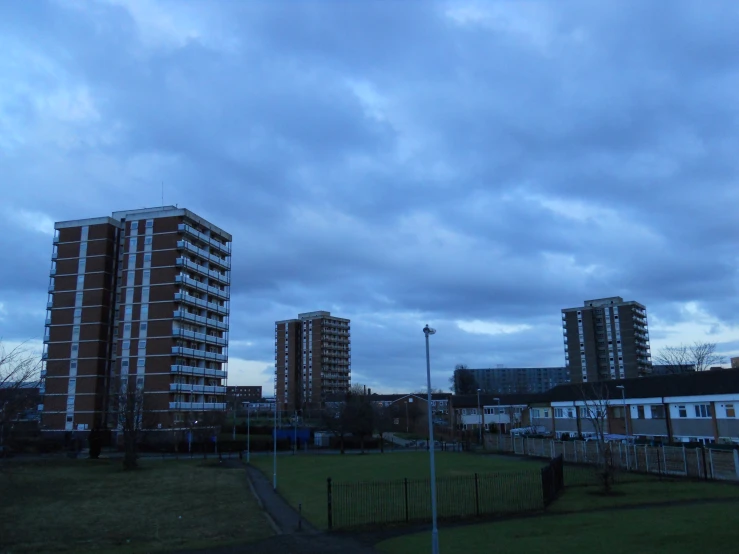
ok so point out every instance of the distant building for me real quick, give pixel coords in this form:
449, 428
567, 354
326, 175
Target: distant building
247, 393
519, 380
606, 338
312, 359
735, 363
667, 369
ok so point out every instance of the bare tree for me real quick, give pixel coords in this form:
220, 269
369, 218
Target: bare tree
699, 356
463, 381
383, 420
20, 371
596, 400
130, 403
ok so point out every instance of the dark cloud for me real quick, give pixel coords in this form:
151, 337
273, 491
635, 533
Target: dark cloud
397, 163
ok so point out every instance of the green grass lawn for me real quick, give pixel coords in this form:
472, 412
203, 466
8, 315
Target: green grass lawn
302, 479
677, 530
92, 505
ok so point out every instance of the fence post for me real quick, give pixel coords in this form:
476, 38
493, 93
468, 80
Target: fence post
705, 466
710, 458
664, 458
477, 497
405, 489
551, 448
330, 514
646, 457
736, 462
685, 461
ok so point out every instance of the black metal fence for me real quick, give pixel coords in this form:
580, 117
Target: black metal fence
359, 504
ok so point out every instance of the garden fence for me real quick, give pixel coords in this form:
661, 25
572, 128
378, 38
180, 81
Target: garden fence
680, 461
359, 504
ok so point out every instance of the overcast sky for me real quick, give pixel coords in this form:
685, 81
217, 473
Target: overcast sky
474, 166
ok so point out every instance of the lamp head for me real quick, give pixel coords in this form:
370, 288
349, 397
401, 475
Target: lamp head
428, 330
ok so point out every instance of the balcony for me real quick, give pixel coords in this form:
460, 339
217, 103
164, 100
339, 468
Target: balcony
224, 277
188, 299
52, 271
185, 228
49, 305
54, 255
198, 371
51, 287
199, 389
48, 321
197, 406
199, 336
212, 258
199, 354
45, 356
56, 239
215, 291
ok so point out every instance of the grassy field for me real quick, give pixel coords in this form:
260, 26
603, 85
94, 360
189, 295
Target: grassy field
92, 505
678, 530
302, 479
704, 526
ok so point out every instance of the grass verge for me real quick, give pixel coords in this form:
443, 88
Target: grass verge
301, 479
92, 505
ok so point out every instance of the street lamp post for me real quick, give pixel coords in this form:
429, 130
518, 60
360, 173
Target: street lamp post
482, 419
498, 417
248, 431
406, 416
274, 442
434, 530
626, 422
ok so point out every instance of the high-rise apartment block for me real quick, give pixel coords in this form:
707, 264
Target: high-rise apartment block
606, 339
137, 302
312, 359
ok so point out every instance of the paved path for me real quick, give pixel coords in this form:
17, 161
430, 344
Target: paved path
293, 536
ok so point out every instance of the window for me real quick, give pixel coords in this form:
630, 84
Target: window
546, 413
145, 294
126, 344
80, 280
78, 299
124, 363
129, 295
702, 410
75, 332
147, 241
143, 326
640, 412
682, 411
83, 249
559, 412
140, 362
730, 412
142, 344
132, 244
81, 266
132, 261
150, 223
147, 276
134, 225
147, 257
658, 412
130, 278
127, 327
77, 315
73, 366
144, 312
75, 347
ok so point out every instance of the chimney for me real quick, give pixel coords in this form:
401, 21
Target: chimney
365, 390
369, 392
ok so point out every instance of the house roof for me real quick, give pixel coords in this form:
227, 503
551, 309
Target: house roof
374, 397
470, 400
700, 383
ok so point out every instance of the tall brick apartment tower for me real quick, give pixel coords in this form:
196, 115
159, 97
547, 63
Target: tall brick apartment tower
606, 338
139, 299
312, 359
